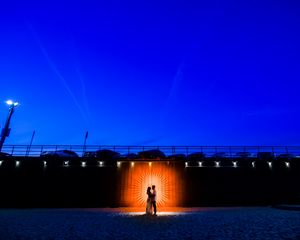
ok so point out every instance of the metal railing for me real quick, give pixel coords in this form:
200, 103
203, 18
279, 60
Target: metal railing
229, 151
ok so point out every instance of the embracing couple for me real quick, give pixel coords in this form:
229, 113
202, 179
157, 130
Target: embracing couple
151, 201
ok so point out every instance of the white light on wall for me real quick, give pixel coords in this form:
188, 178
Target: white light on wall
253, 164
1, 163
186, 164
118, 164
17, 163
234, 164
270, 164
217, 164
100, 164
83, 164
200, 164
132, 164
45, 163
287, 164
66, 163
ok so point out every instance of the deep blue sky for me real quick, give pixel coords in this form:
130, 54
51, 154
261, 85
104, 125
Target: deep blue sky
152, 72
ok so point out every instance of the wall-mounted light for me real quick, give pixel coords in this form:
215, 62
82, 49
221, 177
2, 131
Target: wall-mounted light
287, 164
270, 164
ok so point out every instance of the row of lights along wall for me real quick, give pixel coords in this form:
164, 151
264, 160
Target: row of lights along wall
119, 164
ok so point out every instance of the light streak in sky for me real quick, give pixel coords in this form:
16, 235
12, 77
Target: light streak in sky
57, 72
173, 91
80, 77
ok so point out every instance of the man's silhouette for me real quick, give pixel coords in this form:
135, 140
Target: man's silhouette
154, 199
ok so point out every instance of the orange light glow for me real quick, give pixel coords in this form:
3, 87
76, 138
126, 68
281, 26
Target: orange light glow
145, 174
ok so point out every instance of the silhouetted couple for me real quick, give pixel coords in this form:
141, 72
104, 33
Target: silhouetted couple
151, 201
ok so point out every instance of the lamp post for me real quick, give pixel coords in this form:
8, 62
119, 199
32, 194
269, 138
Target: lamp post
6, 130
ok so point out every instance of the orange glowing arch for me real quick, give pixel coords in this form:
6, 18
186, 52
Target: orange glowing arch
138, 176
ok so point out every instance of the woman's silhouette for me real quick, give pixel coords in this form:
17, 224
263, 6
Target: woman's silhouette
149, 202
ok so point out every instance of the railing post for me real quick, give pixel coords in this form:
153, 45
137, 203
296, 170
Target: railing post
12, 150
27, 152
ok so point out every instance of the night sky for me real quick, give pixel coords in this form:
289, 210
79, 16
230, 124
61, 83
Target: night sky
151, 72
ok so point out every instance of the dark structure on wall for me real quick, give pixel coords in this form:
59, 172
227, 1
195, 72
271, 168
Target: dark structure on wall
194, 179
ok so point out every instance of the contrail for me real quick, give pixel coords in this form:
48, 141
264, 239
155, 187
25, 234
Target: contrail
85, 101
173, 90
76, 63
58, 74
175, 84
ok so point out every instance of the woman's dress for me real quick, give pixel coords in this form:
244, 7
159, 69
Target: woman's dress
149, 205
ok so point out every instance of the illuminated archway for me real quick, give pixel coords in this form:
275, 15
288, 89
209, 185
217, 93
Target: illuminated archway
140, 175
